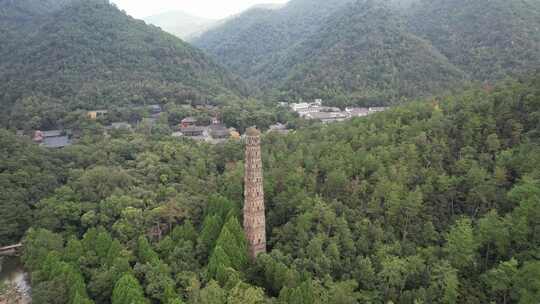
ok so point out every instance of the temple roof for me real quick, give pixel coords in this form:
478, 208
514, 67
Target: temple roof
56, 142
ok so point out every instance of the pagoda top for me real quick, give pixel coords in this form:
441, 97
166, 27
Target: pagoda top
253, 132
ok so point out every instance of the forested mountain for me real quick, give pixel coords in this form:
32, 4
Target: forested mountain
489, 39
362, 53
431, 202
89, 54
395, 49
18, 16
252, 39
180, 24
21, 9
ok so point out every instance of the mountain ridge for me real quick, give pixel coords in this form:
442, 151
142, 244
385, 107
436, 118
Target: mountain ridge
265, 31
504, 40
488, 39
91, 55
383, 61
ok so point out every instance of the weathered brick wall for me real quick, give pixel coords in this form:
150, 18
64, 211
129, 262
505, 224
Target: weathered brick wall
254, 218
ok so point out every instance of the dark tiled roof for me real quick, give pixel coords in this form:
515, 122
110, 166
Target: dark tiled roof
155, 109
56, 142
278, 126
220, 133
192, 129
51, 133
218, 127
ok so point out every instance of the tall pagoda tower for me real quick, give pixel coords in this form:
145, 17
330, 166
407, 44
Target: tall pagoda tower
254, 219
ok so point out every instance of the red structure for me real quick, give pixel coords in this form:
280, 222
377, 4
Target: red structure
188, 122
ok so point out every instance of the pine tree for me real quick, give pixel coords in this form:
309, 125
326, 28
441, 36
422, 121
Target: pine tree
461, 245
502, 279
128, 291
145, 252
115, 252
232, 240
243, 293
73, 252
236, 230
210, 232
219, 261
74, 281
176, 301
103, 243
220, 206
303, 294
185, 232
212, 294
38, 244
78, 299
445, 280
528, 283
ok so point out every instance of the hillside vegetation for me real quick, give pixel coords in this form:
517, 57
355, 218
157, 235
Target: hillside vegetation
487, 39
428, 202
368, 52
365, 54
89, 54
252, 39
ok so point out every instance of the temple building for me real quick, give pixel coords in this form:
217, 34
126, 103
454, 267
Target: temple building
254, 218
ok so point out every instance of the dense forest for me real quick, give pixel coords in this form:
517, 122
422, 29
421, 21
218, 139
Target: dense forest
435, 201
90, 55
368, 51
487, 39
256, 36
362, 55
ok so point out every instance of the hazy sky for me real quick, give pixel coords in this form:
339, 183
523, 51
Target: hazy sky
213, 9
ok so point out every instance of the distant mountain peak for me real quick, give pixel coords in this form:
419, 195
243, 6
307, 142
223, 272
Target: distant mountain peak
181, 24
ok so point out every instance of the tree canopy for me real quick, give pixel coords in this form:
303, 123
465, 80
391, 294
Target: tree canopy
435, 201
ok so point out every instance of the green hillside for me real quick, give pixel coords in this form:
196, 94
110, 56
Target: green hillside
373, 51
489, 39
89, 55
364, 55
18, 17
424, 203
253, 38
